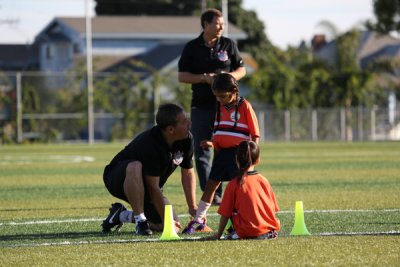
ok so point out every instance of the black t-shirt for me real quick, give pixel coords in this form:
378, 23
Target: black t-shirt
156, 157
197, 58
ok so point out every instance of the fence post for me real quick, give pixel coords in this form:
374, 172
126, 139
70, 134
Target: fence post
342, 124
261, 122
19, 108
360, 124
373, 128
287, 125
314, 125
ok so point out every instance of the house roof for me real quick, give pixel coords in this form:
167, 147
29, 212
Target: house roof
157, 59
374, 42
168, 27
390, 51
372, 46
14, 56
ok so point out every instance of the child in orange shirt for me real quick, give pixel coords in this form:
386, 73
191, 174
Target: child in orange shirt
235, 122
248, 200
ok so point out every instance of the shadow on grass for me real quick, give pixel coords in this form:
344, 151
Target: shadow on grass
61, 208
57, 236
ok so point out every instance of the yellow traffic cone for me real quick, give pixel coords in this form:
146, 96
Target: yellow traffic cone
169, 232
299, 227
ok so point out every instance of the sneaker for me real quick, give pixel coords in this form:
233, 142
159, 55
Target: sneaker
270, 235
142, 228
197, 227
113, 218
216, 201
229, 230
232, 236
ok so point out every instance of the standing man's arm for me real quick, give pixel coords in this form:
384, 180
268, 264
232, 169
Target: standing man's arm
188, 77
238, 73
189, 188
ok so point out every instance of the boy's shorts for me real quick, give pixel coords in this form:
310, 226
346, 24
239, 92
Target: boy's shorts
224, 166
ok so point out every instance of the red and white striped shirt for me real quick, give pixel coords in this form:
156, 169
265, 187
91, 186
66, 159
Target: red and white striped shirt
225, 134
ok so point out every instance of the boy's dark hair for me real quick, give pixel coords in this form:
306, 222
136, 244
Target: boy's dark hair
167, 115
209, 15
224, 82
247, 154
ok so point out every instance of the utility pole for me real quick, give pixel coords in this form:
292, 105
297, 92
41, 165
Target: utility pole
89, 66
203, 5
225, 13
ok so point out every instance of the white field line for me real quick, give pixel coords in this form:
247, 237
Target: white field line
86, 242
361, 233
121, 241
22, 160
186, 215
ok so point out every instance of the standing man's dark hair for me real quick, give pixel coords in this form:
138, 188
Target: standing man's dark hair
201, 60
209, 15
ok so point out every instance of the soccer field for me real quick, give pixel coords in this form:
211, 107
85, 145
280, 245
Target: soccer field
52, 202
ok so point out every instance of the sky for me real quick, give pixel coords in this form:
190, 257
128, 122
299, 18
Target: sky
287, 22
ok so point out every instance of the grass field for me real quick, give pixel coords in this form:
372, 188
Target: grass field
52, 202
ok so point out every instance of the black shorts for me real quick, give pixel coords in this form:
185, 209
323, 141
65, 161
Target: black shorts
224, 166
114, 178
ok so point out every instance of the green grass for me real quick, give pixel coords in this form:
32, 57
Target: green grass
52, 201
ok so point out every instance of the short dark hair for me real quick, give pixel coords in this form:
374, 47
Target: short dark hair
167, 115
209, 15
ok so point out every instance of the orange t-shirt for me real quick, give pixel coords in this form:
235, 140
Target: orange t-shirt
227, 136
252, 206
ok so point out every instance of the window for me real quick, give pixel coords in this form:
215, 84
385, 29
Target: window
49, 51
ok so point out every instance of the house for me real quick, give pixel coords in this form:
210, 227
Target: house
372, 47
157, 39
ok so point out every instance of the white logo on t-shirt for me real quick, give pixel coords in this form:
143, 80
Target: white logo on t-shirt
177, 158
232, 116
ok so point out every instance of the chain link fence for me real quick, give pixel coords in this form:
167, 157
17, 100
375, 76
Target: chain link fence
329, 124
53, 108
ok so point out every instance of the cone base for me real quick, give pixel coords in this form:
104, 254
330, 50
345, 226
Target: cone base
169, 237
302, 232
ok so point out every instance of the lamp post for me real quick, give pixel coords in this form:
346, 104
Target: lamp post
89, 66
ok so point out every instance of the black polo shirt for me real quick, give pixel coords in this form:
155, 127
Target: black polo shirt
197, 58
156, 157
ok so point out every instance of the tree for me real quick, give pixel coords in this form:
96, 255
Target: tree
387, 13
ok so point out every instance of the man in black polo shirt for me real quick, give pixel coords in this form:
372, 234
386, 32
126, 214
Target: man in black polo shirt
202, 58
139, 171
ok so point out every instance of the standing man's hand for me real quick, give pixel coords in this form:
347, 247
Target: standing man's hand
209, 77
206, 144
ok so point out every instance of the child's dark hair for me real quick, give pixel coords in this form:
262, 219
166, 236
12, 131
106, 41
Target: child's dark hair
224, 82
247, 155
